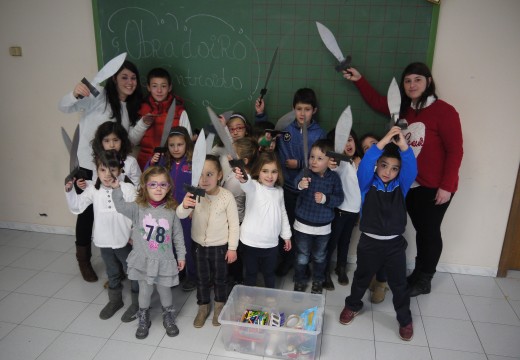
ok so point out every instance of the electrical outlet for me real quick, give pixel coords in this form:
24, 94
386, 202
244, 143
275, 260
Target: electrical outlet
15, 51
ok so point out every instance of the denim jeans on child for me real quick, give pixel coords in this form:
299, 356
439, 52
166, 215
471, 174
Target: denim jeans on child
112, 258
310, 248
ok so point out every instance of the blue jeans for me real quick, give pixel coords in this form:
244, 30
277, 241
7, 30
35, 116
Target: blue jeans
112, 258
310, 247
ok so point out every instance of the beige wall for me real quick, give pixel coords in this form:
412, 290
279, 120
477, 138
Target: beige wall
475, 68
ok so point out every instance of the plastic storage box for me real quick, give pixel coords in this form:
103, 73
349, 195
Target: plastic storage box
290, 341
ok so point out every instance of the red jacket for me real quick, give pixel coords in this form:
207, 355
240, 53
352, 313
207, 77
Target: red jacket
152, 136
434, 134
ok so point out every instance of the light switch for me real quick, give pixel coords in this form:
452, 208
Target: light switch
15, 51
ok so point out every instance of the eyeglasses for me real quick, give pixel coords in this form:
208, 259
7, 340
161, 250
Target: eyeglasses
154, 184
236, 129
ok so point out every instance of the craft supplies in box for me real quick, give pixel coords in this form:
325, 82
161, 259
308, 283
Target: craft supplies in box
270, 322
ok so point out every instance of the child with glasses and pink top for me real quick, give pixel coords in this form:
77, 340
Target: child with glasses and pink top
239, 128
156, 231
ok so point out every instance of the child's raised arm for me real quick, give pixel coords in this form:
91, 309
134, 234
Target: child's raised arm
80, 90
238, 175
188, 204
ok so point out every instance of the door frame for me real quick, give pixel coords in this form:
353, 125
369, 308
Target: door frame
511, 247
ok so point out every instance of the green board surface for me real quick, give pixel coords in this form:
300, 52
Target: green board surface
218, 52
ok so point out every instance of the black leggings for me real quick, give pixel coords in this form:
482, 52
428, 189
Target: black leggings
85, 220
426, 219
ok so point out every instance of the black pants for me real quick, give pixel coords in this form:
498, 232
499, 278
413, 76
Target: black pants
342, 227
259, 260
390, 255
85, 220
290, 206
426, 219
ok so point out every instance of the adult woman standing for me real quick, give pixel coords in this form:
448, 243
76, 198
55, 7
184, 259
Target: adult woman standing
119, 101
435, 135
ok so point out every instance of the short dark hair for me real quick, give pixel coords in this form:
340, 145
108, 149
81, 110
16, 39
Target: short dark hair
305, 96
391, 150
158, 73
324, 145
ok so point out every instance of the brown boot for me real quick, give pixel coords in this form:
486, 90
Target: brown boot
83, 255
378, 294
202, 315
216, 312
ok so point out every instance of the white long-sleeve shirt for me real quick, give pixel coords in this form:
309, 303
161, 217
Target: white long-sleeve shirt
349, 182
95, 112
265, 218
111, 229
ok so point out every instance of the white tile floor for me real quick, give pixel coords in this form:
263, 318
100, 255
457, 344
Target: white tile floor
48, 312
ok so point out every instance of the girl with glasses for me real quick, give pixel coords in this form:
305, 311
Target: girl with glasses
156, 233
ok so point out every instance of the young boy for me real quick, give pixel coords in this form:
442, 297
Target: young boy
320, 193
290, 152
383, 221
159, 86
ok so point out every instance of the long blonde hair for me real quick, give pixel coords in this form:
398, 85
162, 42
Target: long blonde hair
142, 198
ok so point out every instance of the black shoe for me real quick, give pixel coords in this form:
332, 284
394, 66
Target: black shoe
328, 284
413, 277
283, 269
341, 271
422, 286
300, 287
317, 288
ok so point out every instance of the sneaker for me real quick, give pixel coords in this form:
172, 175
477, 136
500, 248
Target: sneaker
406, 332
189, 285
300, 287
317, 287
347, 315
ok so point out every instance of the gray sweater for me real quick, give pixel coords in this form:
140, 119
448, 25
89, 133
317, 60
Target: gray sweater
156, 232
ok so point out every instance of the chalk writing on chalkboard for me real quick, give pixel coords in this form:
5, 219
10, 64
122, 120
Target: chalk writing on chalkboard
207, 52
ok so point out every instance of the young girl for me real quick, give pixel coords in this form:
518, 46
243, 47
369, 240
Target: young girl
119, 101
111, 231
215, 231
346, 213
367, 140
177, 161
156, 230
113, 136
238, 128
247, 150
265, 219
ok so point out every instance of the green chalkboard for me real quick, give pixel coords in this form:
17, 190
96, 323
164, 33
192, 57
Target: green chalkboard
219, 51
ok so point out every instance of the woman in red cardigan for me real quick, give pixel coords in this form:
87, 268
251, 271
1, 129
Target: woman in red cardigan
435, 135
